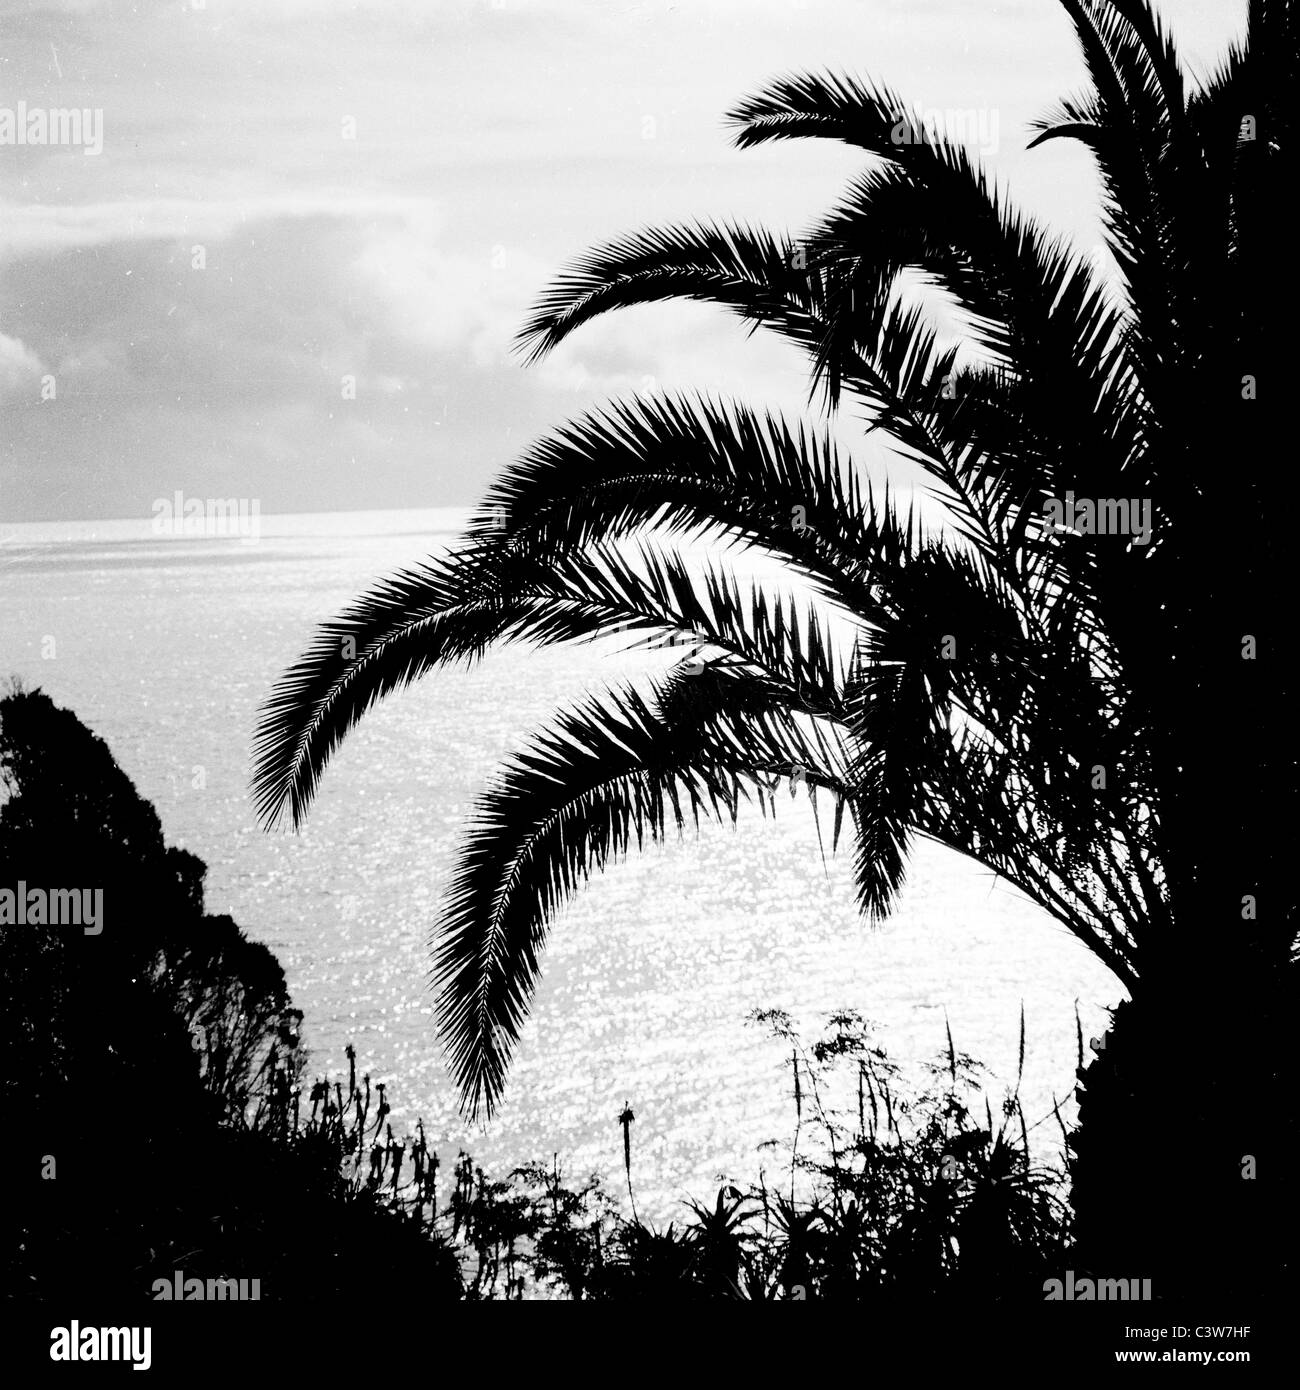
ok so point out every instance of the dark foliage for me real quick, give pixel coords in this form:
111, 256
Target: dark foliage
889, 1196
142, 1066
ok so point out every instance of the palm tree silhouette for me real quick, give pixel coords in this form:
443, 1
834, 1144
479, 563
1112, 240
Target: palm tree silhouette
1092, 716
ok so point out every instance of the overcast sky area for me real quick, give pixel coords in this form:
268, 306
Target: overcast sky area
293, 192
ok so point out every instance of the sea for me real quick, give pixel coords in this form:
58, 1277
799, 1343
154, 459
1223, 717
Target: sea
166, 644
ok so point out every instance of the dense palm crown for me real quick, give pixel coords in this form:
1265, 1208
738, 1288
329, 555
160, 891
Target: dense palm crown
1028, 694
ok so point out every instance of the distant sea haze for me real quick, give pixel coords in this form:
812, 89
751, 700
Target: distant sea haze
165, 646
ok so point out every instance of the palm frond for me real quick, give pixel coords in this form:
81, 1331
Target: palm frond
451, 611
751, 271
612, 773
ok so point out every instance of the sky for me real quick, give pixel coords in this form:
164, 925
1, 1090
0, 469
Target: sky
287, 259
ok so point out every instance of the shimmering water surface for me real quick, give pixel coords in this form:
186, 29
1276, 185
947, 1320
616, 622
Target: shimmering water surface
166, 645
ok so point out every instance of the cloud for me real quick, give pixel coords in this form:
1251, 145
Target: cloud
47, 229
19, 365
495, 141
438, 299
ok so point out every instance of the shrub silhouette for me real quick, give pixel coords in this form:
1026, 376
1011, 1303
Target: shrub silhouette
152, 1062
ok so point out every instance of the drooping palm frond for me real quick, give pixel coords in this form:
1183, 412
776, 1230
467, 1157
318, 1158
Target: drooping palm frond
449, 613
611, 773
752, 271
522, 575
686, 465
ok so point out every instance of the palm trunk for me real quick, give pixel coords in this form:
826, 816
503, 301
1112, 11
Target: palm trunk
1187, 1137
1187, 1142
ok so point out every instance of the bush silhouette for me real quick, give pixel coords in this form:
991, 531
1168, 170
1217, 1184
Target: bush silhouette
131, 1060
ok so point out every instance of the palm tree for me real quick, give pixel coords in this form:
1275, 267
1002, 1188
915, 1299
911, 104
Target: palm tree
1092, 717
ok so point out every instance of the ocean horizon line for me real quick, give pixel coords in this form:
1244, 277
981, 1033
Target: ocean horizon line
287, 525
